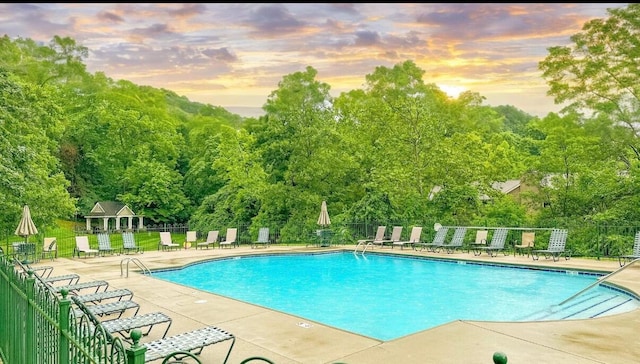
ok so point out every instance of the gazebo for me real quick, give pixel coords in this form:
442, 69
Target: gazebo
107, 210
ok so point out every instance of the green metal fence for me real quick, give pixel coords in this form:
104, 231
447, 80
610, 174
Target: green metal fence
39, 327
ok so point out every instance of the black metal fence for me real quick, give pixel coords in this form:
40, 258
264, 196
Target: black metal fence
585, 239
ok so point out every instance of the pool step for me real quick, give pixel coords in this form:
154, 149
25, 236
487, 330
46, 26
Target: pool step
588, 305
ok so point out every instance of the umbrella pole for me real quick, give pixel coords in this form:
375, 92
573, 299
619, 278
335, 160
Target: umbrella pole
26, 249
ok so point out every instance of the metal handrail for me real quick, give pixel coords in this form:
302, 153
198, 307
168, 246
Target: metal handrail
598, 281
364, 247
137, 262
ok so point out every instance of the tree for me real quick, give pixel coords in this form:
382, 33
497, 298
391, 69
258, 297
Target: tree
31, 125
600, 72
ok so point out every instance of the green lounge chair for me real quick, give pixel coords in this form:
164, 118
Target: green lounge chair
263, 238
457, 241
104, 245
129, 243
498, 239
437, 241
556, 247
624, 259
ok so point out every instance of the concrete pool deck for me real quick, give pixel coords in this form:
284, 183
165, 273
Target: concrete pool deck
284, 338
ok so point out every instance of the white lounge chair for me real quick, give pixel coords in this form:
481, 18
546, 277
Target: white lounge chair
481, 240
50, 248
83, 247
212, 239
166, 243
526, 243
414, 238
378, 239
192, 238
396, 235
230, 238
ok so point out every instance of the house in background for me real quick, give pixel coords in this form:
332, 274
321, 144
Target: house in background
113, 211
513, 188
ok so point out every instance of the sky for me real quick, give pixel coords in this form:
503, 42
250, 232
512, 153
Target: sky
234, 55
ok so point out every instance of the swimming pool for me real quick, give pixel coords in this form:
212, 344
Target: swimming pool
388, 296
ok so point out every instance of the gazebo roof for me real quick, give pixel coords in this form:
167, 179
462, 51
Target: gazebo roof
110, 209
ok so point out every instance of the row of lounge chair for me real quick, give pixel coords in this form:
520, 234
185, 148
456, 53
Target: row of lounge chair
230, 240
117, 313
83, 247
166, 242
555, 249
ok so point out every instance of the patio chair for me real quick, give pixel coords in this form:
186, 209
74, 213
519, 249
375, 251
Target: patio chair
124, 325
77, 287
129, 243
556, 247
104, 244
263, 238
624, 259
43, 271
122, 294
526, 244
230, 238
71, 278
437, 241
109, 309
83, 247
212, 239
378, 239
396, 235
192, 238
498, 239
192, 342
481, 240
414, 238
166, 243
457, 241
50, 248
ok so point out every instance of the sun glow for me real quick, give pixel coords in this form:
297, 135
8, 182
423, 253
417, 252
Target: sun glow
453, 91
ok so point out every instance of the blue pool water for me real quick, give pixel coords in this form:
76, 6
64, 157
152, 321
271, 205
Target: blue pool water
385, 296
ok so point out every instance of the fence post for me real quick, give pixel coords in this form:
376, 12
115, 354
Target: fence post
63, 322
136, 353
30, 328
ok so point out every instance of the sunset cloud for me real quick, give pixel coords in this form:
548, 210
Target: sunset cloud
234, 54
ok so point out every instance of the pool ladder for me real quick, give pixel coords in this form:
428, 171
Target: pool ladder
135, 261
362, 245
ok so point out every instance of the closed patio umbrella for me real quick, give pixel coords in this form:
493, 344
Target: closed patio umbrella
26, 228
323, 219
